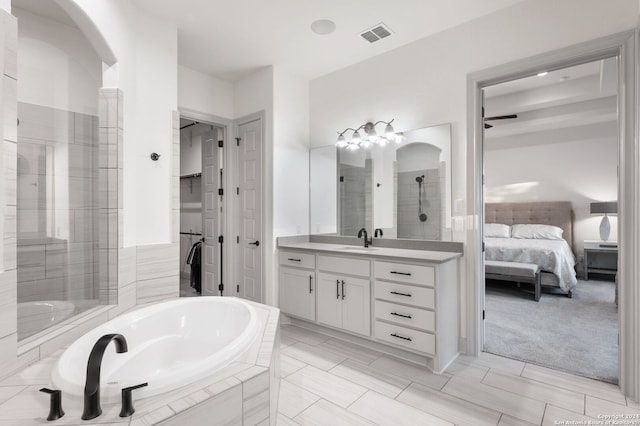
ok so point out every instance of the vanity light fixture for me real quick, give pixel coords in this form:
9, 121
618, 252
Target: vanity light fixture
370, 136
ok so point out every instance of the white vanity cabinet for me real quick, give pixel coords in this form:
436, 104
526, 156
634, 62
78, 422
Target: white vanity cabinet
401, 301
415, 308
297, 284
344, 300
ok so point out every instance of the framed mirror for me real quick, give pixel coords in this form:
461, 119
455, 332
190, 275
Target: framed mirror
403, 189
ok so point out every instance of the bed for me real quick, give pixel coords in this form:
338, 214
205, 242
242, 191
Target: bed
554, 256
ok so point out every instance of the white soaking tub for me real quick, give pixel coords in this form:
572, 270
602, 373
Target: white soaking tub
170, 344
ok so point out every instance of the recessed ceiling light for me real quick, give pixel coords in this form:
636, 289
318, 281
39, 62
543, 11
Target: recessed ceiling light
323, 26
542, 74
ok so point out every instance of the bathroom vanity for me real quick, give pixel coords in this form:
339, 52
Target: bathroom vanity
405, 300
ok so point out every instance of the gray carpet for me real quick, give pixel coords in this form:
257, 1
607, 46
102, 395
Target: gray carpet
578, 335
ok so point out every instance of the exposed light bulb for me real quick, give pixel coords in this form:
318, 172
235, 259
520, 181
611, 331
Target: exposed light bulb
365, 143
389, 132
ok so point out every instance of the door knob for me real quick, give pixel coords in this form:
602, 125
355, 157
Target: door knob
257, 243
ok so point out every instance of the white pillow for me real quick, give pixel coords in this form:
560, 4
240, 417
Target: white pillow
540, 232
497, 230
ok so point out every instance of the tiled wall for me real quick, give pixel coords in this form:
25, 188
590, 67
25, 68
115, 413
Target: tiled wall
409, 224
352, 199
8, 138
57, 243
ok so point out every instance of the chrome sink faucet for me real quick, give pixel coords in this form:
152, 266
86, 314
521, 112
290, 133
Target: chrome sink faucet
92, 385
363, 232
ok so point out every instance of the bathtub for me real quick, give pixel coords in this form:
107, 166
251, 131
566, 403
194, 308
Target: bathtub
34, 317
171, 344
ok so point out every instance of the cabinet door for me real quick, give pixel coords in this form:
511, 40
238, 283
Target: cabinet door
356, 306
297, 293
329, 300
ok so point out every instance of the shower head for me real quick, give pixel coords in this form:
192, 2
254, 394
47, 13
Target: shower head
419, 179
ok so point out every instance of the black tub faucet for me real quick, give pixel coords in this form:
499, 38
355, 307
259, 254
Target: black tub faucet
92, 385
377, 231
363, 232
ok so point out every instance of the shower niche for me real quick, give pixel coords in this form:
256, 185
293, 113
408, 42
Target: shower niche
403, 189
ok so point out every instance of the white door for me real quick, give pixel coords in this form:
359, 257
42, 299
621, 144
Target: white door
356, 306
329, 294
297, 293
249, 211
211, 165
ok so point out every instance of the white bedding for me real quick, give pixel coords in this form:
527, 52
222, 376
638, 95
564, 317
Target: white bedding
553, 256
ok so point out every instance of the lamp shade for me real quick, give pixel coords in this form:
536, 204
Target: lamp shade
604, 208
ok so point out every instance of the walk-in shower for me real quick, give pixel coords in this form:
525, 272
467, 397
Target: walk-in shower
61, 259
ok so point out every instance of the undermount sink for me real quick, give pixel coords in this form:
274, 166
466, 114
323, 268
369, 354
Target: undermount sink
356, 248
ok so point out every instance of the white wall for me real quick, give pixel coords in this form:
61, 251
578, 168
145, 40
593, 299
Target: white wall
146, 71
424, 83
204, 94
58, 68
581, 172
156, 99
290, 154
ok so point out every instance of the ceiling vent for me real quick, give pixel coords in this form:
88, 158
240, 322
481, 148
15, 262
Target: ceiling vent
376, 33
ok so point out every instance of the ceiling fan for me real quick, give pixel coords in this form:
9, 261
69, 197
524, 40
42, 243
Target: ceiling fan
498, 117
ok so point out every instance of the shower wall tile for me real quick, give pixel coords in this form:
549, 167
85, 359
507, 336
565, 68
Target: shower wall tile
158, 289
108, 108
85, 129
9, 345
10, 112
10, 237
81, 160
84, 221
110, 147
108, 228
9, 163
31, 262
8, 303
126, 300
64, 259
127, 266
107, 192
44, 123
157, 261
10, 27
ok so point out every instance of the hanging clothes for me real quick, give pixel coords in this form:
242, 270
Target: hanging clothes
195, 260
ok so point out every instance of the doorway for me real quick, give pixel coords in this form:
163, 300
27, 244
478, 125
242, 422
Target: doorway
201, 204
550, 155
623, 46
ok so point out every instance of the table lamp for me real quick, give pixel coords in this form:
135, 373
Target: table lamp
604, 208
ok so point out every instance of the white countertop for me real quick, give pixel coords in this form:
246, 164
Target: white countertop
372, 251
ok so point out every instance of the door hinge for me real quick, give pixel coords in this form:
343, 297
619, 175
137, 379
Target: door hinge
238, 288
483, 246
238, 141
483, 314
238, 239
220, 239
220, 144
220, 191
482, 112
341, 178
237, 190
220, 287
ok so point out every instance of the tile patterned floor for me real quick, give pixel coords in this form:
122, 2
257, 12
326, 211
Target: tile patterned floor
326, 381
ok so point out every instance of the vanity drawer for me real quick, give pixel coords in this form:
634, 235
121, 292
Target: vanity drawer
423, 297
301, 260
405, 337
406, 315
414, 274
344, 265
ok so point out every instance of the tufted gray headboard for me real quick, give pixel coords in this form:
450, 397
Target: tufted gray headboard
557, 213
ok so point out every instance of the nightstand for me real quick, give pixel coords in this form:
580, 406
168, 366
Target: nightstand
600, 257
